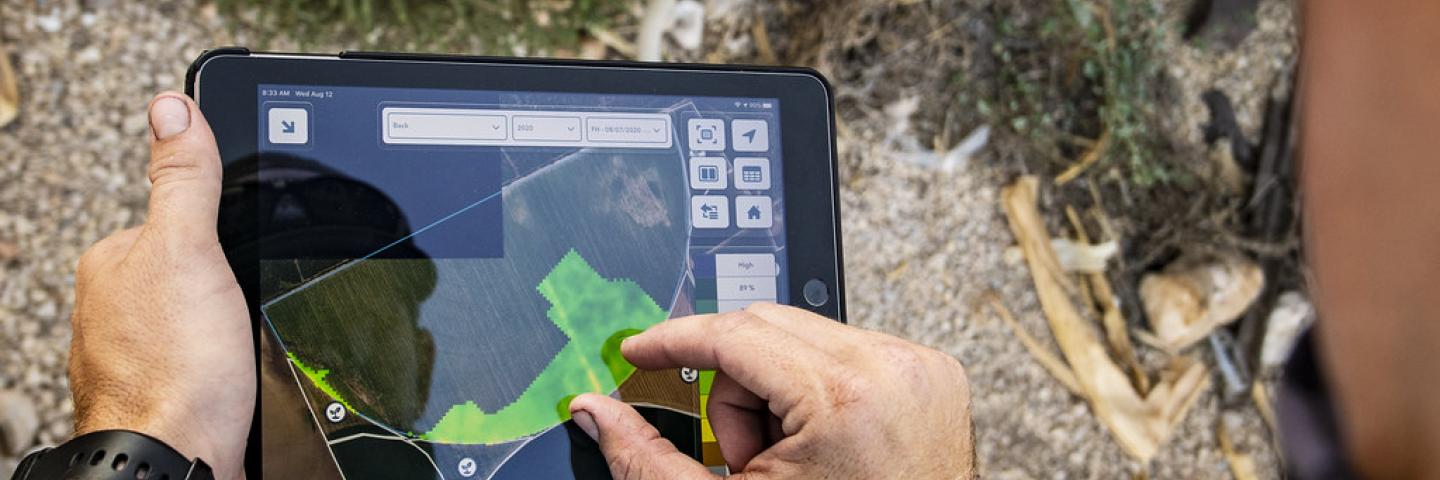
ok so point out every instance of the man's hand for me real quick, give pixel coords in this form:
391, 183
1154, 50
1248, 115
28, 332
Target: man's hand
796, 396
162, 340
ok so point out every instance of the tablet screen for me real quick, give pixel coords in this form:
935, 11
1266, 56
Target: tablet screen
442, 270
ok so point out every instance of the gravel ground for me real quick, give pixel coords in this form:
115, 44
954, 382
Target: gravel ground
921, 245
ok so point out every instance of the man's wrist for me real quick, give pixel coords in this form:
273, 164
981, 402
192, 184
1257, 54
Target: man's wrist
172, 434
112, 454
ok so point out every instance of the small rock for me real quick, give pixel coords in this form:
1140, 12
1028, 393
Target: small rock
88, 55
8, 251
1291, 317
689, 27
59, 430
50, 23
33, 377
18, 422
1013, 256
47, 310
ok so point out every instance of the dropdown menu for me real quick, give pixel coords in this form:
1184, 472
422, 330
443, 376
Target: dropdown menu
628, 130
521, 128
441, 126
547, 128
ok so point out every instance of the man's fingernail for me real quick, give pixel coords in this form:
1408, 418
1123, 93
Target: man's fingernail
586, 423
168, 117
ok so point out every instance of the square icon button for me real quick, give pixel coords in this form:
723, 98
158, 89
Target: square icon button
709, 211
289, 126
752, 173
753, 212
707, 173
706, 134
750, 135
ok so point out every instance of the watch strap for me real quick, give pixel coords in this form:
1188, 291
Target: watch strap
112, 455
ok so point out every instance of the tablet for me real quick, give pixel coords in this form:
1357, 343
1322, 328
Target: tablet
441, 252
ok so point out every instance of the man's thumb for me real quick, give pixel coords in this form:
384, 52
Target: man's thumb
633, 449
184, 169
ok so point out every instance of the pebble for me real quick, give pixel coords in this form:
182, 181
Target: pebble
19, 422
50, 23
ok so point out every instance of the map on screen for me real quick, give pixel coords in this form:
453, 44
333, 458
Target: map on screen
443, 270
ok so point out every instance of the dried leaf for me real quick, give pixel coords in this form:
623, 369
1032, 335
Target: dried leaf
1261, 395
9, 90
1241, 464
1083, 257
1141, 424
1195, 295
1111, 318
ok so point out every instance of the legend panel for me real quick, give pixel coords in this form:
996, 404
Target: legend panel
733, 281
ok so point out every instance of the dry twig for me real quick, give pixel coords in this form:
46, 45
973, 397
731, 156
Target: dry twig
762, 43
1047, 359
1091, 156
1241, 464
614, 41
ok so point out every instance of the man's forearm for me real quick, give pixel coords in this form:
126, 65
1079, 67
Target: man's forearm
1371, 173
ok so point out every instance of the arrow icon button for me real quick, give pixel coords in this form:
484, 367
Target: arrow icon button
289, 125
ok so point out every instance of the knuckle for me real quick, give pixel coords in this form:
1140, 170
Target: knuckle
86, 264
737, 321
904, 358
631, 462
625, 465
90, 258
952, 365
183, 246
174, 165
847, 392
761, 308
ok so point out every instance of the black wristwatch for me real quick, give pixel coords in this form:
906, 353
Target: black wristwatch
111, 455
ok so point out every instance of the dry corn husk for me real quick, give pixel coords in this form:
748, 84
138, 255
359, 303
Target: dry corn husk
1194, 295
1141, 423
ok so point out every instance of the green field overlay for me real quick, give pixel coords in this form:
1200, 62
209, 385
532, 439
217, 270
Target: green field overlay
317, 377
596, 314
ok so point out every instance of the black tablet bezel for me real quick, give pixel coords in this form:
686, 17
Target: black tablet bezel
224, 83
